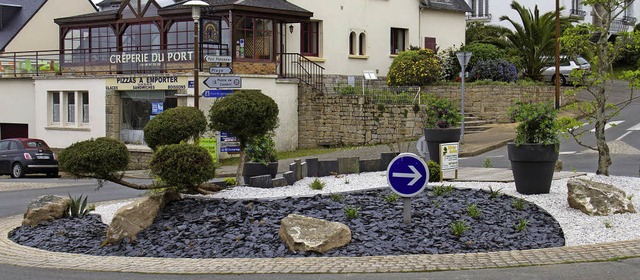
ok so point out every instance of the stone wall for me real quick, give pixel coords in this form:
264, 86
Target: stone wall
334, 120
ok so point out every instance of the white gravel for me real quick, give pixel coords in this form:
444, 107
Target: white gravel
579, 228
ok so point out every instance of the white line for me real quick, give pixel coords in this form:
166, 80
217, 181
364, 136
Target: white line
568, 153
623, 135
609, 125
635, 127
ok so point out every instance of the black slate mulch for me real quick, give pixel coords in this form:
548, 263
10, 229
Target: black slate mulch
199, 228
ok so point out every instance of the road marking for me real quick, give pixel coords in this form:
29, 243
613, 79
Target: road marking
623, 135
635, 127
568, 153
609, 125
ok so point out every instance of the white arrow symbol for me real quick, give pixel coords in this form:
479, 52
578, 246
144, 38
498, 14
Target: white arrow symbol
415, 175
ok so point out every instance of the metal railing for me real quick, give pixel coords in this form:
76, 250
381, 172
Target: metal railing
578, 13
296, 66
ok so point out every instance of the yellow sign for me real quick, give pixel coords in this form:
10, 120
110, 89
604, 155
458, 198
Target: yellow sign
147, 83
209, 144
449, 156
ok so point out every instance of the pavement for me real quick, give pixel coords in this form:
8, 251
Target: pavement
474, 144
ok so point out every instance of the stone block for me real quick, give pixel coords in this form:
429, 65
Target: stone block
369, 165
312, 167
348, 165
279, 182
327, 167
262, 181
385, 159
304, 170
290, 177
298, 170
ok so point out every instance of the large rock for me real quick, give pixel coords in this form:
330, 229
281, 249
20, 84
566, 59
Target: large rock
597, 199
46, 208
301, 233
131, 219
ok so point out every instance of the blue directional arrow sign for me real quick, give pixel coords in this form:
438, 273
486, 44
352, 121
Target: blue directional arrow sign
407, 174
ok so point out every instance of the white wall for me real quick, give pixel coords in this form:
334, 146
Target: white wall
41, 33
433, 23
18, 101
58, 137
285, 94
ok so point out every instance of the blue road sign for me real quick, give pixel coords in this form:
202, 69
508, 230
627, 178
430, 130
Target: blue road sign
216, 92
407, 175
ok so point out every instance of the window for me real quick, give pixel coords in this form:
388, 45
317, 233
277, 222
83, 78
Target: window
255, 38
138, 109
430, 43
398, 37
309, 32
362, 44
352, 43
69, 106
180, 35
480, 9
89, 44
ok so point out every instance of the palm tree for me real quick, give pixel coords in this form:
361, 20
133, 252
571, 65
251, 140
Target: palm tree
533, 40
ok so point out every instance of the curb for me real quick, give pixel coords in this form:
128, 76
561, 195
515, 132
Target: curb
14, 254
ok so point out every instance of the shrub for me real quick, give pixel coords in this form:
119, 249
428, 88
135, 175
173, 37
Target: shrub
174, 126
317, 184
482, 52
414, 68
101, 158
78, 207
441, 113
458, 227
434, 171
351, 212
184, 166
537, 122
261, 149
498, 70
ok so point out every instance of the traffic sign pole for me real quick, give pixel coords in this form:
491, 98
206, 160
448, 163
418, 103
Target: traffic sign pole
406, 213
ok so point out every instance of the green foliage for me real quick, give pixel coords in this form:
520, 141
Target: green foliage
608, 224
478, 32
101, 158
414, 68
317, 184
434, 171
392, 198
230, 181
473, 211
245, 114
537, 123
78, 207
458, 227
521, 225
184, 166
351, 212
442, 190
518, 203
337, 197
261, 149
174, 126
494, 193
487, 163
449, 61
533, 38
482, 52
441, 113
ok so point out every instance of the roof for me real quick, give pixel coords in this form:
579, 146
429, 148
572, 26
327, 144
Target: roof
14, 15
451, 5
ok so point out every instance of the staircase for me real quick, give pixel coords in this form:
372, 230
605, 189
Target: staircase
296, 66
473, 124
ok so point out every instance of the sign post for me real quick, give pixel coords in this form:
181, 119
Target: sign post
407, 175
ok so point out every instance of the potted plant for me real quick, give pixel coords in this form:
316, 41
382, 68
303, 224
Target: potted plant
261, 157
534, 152
440, 124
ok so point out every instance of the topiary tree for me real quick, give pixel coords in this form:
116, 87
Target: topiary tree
414, 68
245, 114
184, 166
175, 125
102, 158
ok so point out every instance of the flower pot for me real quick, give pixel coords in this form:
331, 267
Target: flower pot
251, 169
437, 136
532, 166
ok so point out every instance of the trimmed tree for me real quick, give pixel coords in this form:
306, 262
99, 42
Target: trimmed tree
414, 68
174, 126
245, 114
594, 41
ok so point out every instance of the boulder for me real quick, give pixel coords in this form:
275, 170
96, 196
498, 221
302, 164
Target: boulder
301, 233
46, 208
133, 218
597, 199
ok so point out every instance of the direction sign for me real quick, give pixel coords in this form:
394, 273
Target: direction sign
407, 175
224, 82
215, 93
219, 59
219, 70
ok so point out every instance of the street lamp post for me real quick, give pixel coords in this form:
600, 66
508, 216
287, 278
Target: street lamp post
195, 13
463, 58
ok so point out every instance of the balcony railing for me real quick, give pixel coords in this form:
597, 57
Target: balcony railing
578, 13
629, 20
480, 17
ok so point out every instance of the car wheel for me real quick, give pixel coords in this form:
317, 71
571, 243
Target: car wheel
563, 80
17, 171
53, 175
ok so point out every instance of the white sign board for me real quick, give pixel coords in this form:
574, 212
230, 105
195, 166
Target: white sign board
369, 75
449, 156
223, 82
219, 59
219, 70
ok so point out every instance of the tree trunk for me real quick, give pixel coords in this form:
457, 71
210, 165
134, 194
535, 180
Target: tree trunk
604, 157
240, 167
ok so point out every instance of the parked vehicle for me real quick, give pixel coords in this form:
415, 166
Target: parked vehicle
20, 156
566, 66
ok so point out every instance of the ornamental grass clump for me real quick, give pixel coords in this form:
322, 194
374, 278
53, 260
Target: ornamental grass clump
441, 113
538, 123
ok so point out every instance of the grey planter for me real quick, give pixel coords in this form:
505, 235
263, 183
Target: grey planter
532, 166
437, 136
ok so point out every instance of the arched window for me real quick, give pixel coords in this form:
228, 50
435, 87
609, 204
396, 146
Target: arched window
362, 44
352, 43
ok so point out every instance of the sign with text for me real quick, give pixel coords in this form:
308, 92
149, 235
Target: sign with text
224, 82
449, 155
218, 58
219, 70
216, 93
229, 143
146, 83
157, 108
210, 145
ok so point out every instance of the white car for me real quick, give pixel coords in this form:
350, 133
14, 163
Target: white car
566, 66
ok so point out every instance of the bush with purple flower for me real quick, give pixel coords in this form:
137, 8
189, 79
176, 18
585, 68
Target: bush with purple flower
441, 113
498, 70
